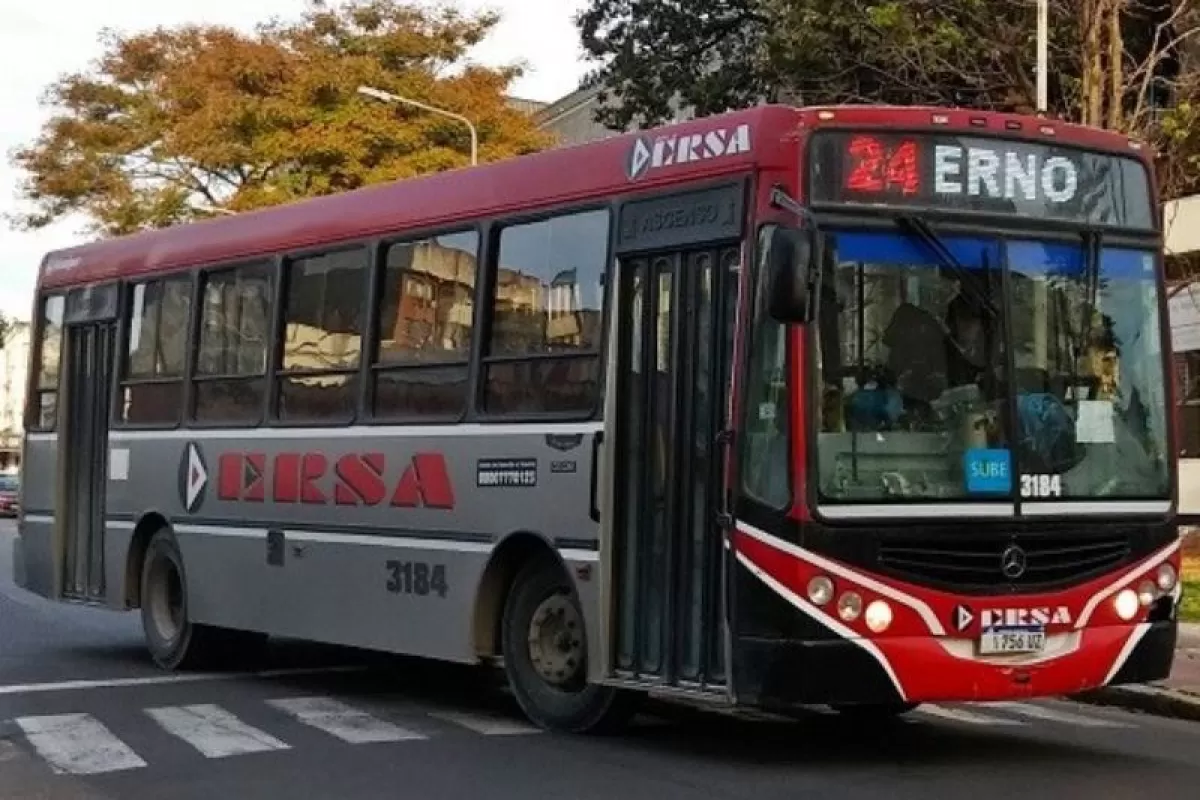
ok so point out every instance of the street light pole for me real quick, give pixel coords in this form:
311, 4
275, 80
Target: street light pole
1043, 36
388, 97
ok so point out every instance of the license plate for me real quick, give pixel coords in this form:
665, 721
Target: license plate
1025, 639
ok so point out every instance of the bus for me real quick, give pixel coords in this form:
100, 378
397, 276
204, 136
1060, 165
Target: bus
854, 407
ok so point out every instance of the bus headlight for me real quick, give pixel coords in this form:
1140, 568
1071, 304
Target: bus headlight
820, 590
1147, 593
878, 616
849, 606
1126, 604
1167, 577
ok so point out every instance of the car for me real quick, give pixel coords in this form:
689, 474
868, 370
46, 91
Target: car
10, 495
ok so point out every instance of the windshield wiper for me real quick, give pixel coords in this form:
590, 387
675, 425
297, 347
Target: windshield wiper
929, 237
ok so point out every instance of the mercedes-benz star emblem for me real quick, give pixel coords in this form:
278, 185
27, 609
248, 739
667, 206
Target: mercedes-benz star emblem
1013, 563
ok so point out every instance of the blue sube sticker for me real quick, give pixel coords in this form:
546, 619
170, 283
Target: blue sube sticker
988, 471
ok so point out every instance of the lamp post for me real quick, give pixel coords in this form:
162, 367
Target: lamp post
379, 94
1043, 36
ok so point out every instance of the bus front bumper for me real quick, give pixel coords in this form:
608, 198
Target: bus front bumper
922, 669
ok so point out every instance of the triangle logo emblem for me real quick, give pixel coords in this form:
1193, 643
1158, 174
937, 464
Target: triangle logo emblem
193, 478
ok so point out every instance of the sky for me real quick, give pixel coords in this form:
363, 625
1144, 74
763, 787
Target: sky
41, 41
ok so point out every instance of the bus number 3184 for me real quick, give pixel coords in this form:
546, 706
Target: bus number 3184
416, 577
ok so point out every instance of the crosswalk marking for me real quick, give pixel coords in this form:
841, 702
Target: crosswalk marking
962, 715
486, 724
78, 744
213, 731
345, 722
1054, 715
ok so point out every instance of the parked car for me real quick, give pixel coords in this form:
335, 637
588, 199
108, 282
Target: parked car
10, 495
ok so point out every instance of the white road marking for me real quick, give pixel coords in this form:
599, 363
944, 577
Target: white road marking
213, 731
78, 744
157, 680
962, 715
487, 724
345, 722
1052, 715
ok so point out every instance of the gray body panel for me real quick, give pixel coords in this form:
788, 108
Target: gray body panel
332, 581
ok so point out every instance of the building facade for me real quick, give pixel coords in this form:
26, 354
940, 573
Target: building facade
14, 368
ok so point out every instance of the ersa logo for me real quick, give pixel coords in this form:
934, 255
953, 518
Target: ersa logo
963, 617
193, 477
688, 148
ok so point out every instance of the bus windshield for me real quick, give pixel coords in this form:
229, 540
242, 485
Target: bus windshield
918, 399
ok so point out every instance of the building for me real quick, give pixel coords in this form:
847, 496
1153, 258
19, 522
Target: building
1181, 219
14, 367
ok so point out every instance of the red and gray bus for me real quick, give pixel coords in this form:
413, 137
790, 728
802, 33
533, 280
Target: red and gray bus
858, 407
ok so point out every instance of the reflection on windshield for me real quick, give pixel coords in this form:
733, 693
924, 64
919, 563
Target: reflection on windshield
1092, 398
907, 355
915, 392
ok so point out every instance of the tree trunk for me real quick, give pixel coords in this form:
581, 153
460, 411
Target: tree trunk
1091, 66
1116, 67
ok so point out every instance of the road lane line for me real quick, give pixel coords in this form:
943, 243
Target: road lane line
343, 721
964, 716
159, 680
213, 731
77, 744
1051, 715
487, 724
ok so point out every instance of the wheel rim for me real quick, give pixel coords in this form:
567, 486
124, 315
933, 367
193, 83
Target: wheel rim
166, 599
556, 647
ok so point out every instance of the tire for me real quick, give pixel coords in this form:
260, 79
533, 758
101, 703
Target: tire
173, 640
554, 693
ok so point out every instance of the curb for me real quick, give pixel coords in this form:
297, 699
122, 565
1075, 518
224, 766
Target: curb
1147, 698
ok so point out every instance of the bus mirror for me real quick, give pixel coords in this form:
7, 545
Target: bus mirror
789, 269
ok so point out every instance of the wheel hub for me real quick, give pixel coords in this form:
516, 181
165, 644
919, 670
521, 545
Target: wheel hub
556, 640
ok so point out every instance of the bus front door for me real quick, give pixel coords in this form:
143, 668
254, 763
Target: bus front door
89, 359
667, 619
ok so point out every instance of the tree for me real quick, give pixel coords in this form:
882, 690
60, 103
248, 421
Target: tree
176, 124
1113, 62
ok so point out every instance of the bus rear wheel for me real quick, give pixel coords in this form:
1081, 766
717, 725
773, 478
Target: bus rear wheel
174, 641
544, 643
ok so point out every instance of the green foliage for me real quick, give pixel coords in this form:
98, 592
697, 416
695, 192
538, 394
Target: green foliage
713, 55
176, 124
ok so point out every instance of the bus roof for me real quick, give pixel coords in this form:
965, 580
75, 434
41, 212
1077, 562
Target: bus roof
721, 144
548, 178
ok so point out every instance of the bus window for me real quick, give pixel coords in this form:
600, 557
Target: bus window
765, 451
543, 354
152, 385
232, 358
427, 308
44, 408
323, 316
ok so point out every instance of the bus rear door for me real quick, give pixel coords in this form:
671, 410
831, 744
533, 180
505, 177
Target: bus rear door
89, 358
673, 332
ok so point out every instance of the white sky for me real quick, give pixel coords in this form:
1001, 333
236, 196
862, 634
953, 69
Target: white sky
41, 41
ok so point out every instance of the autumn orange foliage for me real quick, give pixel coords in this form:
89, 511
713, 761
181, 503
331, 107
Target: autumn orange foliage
177, 124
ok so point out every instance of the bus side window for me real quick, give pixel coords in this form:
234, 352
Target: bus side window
324, 314
43, 404
157, 333
543, 353
231, 360
765, 466
426, 315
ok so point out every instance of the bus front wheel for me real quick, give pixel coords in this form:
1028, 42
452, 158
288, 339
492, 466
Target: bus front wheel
544, 644
174, 641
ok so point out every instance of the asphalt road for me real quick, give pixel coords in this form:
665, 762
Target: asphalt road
83, 715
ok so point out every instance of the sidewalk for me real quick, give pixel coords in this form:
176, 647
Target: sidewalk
1177, 696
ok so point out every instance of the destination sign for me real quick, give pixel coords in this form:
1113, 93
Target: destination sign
969, 173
